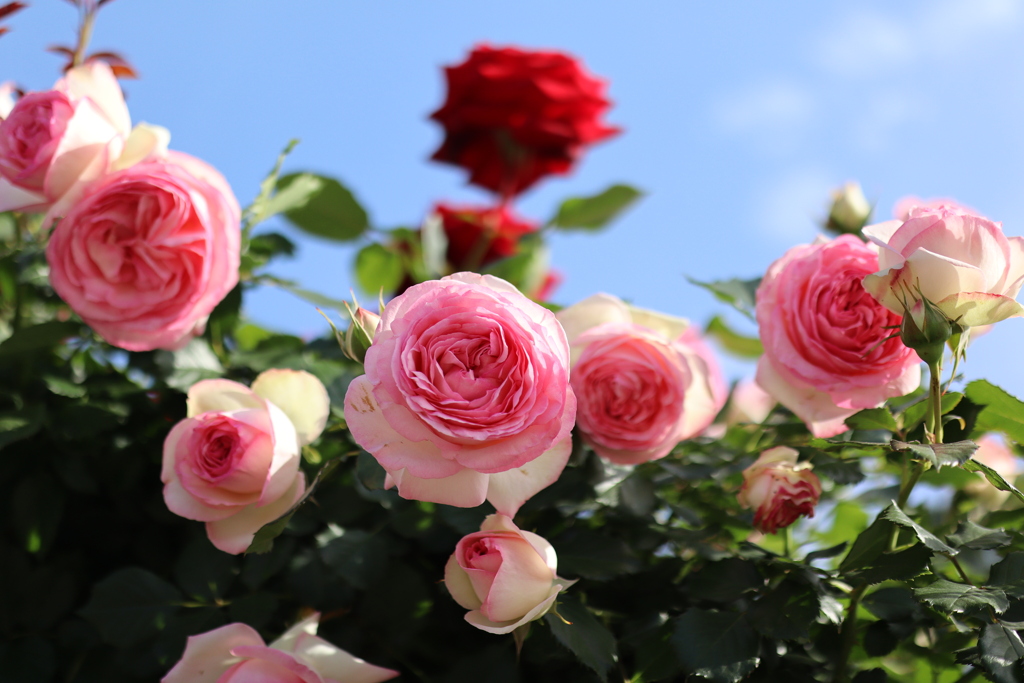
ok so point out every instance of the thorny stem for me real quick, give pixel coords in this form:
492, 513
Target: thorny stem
848, 635
84, 34
934, 431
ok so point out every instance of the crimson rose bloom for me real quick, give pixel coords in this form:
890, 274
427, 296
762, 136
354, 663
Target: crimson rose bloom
513, 117
779, 490
479, 235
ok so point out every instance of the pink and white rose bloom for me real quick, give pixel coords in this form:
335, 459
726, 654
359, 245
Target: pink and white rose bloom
505, 576
960, 261
826, 356
147, 252
237, 654
7, 91
51, 142
233, 462
749, 403
644, 381
466, 395
904, 205
779, 490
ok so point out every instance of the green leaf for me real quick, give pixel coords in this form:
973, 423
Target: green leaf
186, 366
357, 556
594, 555
1001, 653
899, 566
993, 477
732, 341
930, 540
21, 424
719, 646
596, 211
263, 541
527, 268
203, 571
1008, 574
321, 206
939, 454
914, 415
130, 606
725, 580
825, 553
315, 298
947, 596
871, 543
872, 418
786, 612
38, 337
970, 535
257, 211
378, 268
584, 636
895, 603
740, 294
1002, 412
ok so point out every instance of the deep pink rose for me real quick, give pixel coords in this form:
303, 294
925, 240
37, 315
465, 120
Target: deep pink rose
503, 575
514, 116
960, 261
237, 654
466, 394
779, 490
52, 141
147, 252
234, 461
824, 354
641, 389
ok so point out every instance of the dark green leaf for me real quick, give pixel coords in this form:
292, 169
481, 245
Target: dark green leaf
725, 580
1002, 412
732, 341
993, 477
130, 606
825, 553
1008, 574
947, 596
841, 471
321, 206
879, 639
593, 555
358, 557
915, 414
21, 424
1001, 653
872, 418
871, 676
369, 471
720, 646
898, 566
185, 367
203, 571
38, 337
970, 535
596, 211
378, 269
786, 612
939, 454
584, 636
871, 543
740, 294
930, 540
895, 603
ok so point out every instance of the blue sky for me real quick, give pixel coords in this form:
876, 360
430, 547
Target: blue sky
739, 118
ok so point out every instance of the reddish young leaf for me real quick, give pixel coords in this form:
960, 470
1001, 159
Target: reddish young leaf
10, 8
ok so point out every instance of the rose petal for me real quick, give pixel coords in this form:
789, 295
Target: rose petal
208, 655
235, 534
144, 142
816, 408
456, 580
301, 396
507, 491
972, 309
335, 664
220, 396
465, 489
591, 312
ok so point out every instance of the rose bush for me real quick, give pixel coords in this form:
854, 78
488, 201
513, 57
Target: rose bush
237, 654
779, 490
147, 252
234, 461
52, 141
466, 394
503, 575
960, 261
514, 116
643, 381
826, 355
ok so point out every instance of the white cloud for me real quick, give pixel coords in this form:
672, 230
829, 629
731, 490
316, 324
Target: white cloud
792, 206
773, 112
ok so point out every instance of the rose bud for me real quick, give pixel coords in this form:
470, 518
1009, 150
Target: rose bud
504, 575
960, 261
925, 329
779, 490
359, 335
234, 461
237, 654
466, 395
850, 209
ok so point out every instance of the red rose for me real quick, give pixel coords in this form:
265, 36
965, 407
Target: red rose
513, 117
478, 236
779, 490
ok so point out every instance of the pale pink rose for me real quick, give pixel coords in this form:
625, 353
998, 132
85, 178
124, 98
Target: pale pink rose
52, 141
826, 356
7, 91
993, 452
749, 403
466, 394
504, 575
904, 205
147, 252
234, 461
779, 490
959, 261
237, 654
641, 389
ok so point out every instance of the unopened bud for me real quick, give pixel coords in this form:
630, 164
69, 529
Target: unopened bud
359, 334
925, 329
850, 209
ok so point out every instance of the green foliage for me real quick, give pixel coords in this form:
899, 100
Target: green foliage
732, 341
320, 206
595, 212
740, 294
1001, 413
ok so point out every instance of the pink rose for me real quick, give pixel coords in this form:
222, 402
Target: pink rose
779, 490
959, 261
644, 381
825, 355
52, 141
7, 91
504, 575
466, 394
749, 403
904, 205
147, 252
234, 461
237, 654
